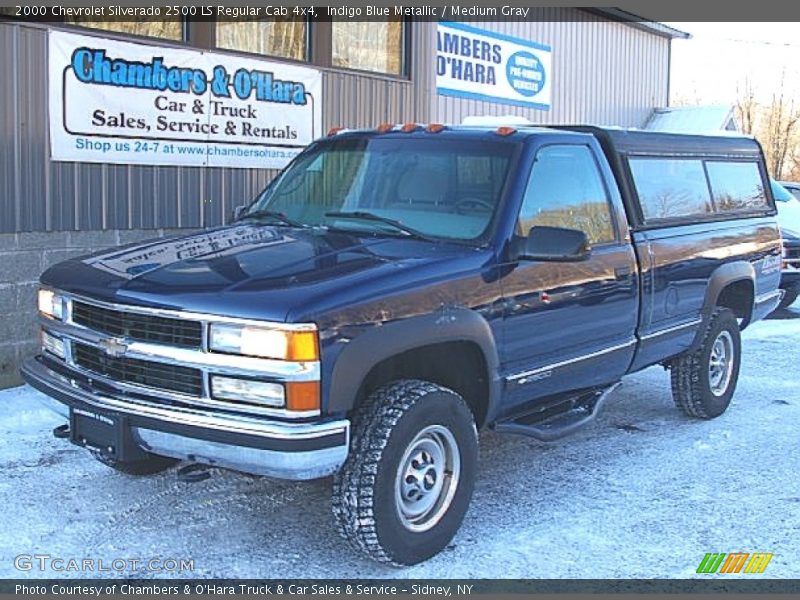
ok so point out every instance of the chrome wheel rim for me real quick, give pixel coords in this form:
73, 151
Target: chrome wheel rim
427, 478
720, 364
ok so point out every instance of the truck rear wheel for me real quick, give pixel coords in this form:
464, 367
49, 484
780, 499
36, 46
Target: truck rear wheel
407, 483
703, 381
789, 297
149, 466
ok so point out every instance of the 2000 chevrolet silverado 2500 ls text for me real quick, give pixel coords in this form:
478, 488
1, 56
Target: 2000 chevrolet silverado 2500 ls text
395, 290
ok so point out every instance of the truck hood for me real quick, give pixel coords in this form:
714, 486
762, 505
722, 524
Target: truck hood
250, 270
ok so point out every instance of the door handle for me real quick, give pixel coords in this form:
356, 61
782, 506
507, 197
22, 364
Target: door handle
622, 272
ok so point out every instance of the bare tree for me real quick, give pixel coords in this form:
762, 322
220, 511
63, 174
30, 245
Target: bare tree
781, 122
746, 106
776, 125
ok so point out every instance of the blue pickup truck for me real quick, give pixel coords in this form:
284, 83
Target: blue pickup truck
393, 291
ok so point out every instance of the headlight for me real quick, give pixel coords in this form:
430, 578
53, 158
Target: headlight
263, 341
247, 390
51, 304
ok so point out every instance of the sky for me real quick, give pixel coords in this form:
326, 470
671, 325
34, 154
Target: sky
721, 57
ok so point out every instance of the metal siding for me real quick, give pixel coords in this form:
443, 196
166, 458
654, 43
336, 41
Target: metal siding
365, 100
604, 72
9, 133
32, 149
37, 194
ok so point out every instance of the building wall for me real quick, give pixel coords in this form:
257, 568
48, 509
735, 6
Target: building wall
50, 211
37, 194
604, 73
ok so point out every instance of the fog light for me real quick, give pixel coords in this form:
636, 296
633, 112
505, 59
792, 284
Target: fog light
247, 390
302, 395
53, 345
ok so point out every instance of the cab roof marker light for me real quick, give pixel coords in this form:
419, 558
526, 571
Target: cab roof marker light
334, 130
435, 128
495, 121
409, 127
384, 127
504, 131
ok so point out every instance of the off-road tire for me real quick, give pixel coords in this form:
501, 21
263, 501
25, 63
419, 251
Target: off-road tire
690, 376
149, 466
365, 491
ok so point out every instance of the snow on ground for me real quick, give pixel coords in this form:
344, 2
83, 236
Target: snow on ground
644, 492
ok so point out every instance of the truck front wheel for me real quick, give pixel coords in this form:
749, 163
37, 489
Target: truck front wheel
703, 381
407, 483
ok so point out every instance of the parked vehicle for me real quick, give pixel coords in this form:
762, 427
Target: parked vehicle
789, 220
792, 187
395, 290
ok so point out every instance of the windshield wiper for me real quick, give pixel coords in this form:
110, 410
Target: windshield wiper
368, 216
273, 214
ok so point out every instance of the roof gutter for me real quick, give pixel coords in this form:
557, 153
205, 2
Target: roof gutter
623, 16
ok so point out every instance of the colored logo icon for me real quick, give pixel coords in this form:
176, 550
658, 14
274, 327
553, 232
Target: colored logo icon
736, 562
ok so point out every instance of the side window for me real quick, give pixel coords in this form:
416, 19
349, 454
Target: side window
669, 187
565, 189
736, 186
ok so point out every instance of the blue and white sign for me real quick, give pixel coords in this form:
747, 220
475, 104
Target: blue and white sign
140, 103
483, 65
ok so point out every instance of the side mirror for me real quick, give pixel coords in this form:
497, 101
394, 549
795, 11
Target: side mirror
238, 211
553, 244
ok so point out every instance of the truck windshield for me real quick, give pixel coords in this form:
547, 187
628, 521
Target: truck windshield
426, 187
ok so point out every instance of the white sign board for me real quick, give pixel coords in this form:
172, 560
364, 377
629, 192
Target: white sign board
132, 103
483, 65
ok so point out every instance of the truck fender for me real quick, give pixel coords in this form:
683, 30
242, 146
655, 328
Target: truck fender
381, 342
722, 277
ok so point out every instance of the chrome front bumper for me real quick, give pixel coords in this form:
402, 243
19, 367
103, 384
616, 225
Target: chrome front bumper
253, 445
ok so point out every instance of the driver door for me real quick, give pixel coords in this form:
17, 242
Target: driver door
568, 325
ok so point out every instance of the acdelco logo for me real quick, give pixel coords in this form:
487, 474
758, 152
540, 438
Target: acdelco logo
114, 347
735, 562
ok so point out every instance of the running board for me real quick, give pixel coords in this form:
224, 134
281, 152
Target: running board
584, 410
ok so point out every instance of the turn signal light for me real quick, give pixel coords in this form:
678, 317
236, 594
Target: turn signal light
409, 127
302, 395
384, 127
435, 128
303, 346
504, 131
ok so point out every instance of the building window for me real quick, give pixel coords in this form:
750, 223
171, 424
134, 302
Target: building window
277, 37
166, 28
369, 46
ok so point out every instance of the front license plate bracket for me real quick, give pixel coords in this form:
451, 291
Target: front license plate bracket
106, 433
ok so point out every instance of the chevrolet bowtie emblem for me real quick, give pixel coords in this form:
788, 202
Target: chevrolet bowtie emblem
114, 347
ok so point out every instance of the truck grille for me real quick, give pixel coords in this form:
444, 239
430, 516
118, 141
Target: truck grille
139, 327
184, 380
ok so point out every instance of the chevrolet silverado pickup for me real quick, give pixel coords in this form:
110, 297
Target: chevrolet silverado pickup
396, 290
